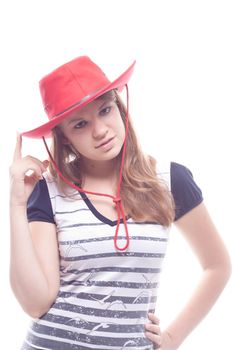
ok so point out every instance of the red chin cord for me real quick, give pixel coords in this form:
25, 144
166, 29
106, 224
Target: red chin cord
117, 199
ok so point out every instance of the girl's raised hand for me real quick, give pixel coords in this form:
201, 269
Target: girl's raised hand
25, 172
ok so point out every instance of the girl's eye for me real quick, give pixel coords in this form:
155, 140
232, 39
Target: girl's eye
105, 110
80, 124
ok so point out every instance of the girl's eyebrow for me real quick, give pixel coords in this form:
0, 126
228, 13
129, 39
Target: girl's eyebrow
77, 118
102, 104
105, 102
74, 119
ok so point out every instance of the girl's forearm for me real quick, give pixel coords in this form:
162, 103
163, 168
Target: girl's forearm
27, 279
207, 292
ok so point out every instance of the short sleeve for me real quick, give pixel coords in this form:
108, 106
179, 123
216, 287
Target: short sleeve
39, 205
186, 193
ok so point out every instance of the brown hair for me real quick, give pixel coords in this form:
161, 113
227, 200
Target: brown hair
144, 195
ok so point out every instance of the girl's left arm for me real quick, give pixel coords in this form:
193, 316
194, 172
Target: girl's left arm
204, 239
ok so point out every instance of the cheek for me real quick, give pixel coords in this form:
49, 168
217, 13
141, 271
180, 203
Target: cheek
118, 125
122, 129
80, 143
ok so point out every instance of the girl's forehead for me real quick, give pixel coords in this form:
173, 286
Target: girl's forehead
93, 105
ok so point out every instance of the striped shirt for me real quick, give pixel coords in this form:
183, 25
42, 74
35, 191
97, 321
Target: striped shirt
105, 295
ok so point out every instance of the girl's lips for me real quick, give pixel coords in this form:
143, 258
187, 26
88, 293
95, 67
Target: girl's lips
106, 143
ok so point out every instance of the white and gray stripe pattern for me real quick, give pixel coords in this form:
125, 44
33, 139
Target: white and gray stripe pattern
105, 294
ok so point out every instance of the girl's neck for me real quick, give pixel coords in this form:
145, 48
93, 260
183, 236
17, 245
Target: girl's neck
100, 170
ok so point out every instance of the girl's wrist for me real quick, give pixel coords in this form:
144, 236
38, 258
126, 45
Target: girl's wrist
168, 342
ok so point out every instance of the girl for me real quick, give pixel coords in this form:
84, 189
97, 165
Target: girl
89, 228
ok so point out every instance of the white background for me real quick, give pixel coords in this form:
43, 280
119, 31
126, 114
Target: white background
180, 100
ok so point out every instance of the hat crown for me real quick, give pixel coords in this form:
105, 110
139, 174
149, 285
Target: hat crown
69, 84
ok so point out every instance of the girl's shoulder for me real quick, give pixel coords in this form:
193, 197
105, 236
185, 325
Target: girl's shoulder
186, 192
163, 171
51, 184
181, 182
55, 188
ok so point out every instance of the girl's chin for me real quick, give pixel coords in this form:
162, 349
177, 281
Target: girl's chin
104, 156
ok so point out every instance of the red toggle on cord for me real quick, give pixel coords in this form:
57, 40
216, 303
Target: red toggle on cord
117, 199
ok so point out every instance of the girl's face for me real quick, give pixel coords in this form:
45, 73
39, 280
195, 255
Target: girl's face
96, 131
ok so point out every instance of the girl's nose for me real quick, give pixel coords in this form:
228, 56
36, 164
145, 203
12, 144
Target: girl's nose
99, 130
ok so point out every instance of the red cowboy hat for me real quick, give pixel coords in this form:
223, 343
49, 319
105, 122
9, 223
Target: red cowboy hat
70, 87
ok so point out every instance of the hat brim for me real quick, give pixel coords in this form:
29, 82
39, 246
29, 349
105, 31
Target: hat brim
44, 130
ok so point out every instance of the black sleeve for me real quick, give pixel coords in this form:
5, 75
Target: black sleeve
187, 195
39, 206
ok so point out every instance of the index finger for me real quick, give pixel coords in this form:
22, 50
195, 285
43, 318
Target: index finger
153, 318
18, 147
